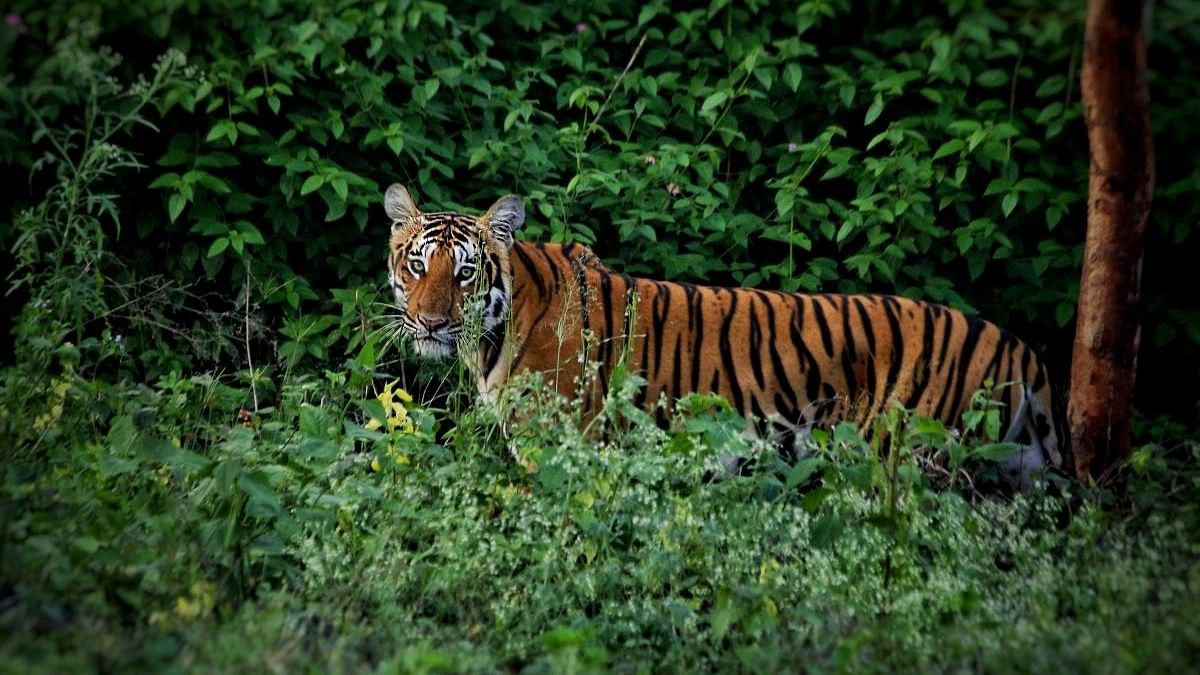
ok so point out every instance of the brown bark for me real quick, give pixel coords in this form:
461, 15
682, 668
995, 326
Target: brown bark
1116, 102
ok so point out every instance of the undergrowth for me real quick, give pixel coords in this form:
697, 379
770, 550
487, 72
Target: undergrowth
167, 527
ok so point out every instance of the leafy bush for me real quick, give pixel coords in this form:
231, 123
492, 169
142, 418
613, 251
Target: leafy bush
164, 525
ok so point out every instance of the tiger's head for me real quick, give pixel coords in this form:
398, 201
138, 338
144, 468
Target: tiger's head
449, 271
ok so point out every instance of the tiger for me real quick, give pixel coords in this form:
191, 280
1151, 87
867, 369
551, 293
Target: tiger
801, 361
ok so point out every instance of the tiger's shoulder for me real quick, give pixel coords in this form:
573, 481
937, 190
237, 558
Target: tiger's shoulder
540, 257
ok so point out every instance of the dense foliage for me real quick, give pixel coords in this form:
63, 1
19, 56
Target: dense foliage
331, 534
209, 462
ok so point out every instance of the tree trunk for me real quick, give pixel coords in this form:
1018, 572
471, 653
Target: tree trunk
1116, 103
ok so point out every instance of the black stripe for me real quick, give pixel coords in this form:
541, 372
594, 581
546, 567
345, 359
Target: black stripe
924, 360
1009, 364
727, 353
783, 379
823, 324
812, 372
942, 312
896, 340
755, 408
944, 391
531, 270
493, 346
696, 323
966, 352
662, 309
553, 265
849, 354
870, 356
786, 409
524, 346
993, 366
1040, 380
754, 344
867, 329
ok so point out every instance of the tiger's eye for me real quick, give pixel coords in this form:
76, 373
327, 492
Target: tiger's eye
416, 267
465, 275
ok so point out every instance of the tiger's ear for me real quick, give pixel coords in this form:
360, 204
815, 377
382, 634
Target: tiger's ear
399, 206
505, 217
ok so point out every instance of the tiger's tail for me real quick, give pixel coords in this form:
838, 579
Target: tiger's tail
1038, 426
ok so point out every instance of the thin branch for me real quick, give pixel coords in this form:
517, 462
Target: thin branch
604, 106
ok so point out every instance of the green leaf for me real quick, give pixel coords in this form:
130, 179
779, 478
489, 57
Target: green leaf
949, 148
994, 452
1063, 313
1009, 203
217, 131
158, 449
1032, 185
258, 492
846, 93
714, 100
167, 180
992, 78
340, 187
1050, 112
574, 58
874, 111
803, 470
360, 432
1040, 265
1050, 86
250, 234
792, 75
313, 183
111, 466
175, 206
217, 247
121, 434
783, 202
1053, 216
996, 186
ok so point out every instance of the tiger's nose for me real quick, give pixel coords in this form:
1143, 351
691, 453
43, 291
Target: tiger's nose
433, 322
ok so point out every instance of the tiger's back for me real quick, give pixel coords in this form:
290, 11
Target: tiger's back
797, 360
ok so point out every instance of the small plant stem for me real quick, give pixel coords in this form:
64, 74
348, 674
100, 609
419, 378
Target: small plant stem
604, 106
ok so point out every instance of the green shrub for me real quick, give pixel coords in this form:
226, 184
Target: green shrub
164, 526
